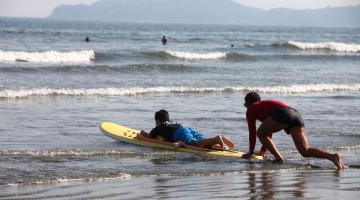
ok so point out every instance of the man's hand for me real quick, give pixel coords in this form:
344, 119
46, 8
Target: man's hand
248, 154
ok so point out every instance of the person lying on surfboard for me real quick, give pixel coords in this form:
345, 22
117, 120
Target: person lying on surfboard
173, 132
276, 116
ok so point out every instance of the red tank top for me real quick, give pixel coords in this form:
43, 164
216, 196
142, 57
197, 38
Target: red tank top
259, 111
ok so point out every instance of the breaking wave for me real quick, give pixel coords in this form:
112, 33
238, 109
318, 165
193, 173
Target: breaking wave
47, 56
197, 55
287, 90
332, 46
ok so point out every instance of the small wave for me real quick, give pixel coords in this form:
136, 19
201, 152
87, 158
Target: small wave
79, 153
287, 90
311, 88
47, 56
237, 56
157, 54
348, 148
96, 68
70, 179
197, 56
333, 46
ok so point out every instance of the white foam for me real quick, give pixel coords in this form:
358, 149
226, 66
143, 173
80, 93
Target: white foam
336, 46
69, 180
47, 56
90, 179
311, 88
45, 153
199, 56
78, 153
287, 90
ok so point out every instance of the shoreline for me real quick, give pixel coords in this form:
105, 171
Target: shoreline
276, 184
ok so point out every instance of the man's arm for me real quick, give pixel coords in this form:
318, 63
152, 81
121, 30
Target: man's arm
251, 120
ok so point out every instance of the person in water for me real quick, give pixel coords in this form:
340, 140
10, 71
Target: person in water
173, 132
87, 39
163, 40
275, 116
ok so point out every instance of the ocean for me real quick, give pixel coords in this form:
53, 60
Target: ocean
56, 89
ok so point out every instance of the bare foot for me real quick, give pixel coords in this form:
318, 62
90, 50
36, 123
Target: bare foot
338, 161
277, 161
228, 142
220, 141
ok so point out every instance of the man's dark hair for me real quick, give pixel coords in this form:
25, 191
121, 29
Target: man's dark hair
162, 116
251, 98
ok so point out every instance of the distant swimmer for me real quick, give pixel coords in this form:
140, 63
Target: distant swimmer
232, 45
163, 40
276, 116
87, 39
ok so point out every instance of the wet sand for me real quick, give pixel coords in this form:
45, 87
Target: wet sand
277, 184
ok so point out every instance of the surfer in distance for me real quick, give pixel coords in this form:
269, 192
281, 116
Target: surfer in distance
173, 132
275, 116
163, 40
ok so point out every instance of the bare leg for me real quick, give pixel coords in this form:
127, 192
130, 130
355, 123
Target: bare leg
264, 133
300, 140
228, 142
211, 141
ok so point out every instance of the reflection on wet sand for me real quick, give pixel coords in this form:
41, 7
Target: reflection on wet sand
266, 185
255, 185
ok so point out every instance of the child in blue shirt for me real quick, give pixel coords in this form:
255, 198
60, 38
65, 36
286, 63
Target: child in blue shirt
174, 132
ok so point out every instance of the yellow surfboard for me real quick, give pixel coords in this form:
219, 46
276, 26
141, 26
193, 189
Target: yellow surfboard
125, 134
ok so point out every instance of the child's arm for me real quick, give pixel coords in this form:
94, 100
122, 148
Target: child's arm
145, 134
142, 136
182, 144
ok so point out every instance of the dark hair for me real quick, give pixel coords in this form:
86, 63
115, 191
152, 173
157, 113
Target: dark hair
251, 98
162, 116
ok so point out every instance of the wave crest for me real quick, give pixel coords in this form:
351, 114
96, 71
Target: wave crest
47, 56
198, 56
334, 46
287, 90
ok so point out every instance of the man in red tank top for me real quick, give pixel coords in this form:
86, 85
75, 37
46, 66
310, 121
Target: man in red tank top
276, 116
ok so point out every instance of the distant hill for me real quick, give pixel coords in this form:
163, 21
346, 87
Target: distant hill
206, 12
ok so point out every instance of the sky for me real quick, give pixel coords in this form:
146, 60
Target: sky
34, 8
297, 4
43, 8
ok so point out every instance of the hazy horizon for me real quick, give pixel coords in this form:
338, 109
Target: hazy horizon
43, 8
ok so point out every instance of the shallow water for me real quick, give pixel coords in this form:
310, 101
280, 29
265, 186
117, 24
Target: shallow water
276, 184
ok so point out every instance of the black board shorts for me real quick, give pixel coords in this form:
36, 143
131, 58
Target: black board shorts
289, 116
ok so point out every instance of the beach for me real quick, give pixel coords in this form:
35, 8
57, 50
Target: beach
56, 88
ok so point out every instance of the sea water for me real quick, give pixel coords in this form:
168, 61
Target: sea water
56, 88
